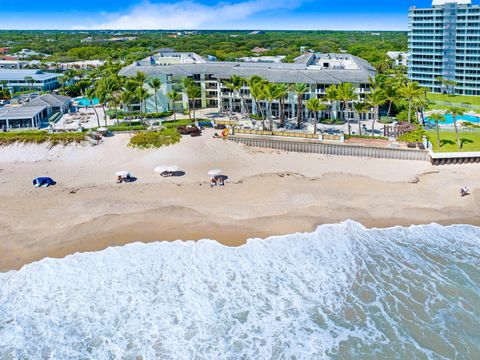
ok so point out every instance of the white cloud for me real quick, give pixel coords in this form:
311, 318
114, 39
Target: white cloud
188, 14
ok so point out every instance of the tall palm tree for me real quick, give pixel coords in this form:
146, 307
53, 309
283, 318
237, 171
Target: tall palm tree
437, 117
90, 95
231, 91
375, 99
155, 84
410, 92
142, 95
346, 93
251, 82
237, 83
174, 96
30, 81
455, 112
315, 105
126, 98
300, 89
187, 83
331, 97
102, 96
112, 86
270, 91
193, 93
140, 78
391, 96
282, 93
360, 108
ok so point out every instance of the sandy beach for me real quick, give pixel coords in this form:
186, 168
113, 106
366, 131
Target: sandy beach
267, 193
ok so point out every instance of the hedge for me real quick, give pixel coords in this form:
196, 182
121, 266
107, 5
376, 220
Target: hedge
38, 137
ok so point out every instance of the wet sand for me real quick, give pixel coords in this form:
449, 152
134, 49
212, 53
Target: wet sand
267, 193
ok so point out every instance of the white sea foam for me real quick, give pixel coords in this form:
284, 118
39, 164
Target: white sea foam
341, 292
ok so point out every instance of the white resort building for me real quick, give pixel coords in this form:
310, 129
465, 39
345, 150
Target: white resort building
318, 71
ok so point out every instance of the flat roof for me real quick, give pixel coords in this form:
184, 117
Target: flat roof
20, 112
14, 74
274, 72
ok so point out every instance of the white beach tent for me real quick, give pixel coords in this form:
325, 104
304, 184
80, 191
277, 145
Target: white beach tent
214, 172
169, 168
122, 173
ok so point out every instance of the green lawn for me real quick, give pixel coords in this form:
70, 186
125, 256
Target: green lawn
460, 99
448, 141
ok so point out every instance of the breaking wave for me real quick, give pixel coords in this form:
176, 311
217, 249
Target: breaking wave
342, 292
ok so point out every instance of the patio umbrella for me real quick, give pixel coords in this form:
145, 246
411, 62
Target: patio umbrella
162, 168
122, 173
102, 129
214, 172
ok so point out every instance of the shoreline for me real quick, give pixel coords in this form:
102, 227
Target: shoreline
267, 193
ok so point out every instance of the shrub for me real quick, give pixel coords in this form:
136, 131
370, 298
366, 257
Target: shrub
413, 136
39, 137
150, 139
364, 137
123, 114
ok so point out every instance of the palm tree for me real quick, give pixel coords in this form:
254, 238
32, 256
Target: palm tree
455, 112
437, 117
256, 86
112, 88
231, 90
375, 99
90, 95
300, 89
410, 91
155, 84
282, 93
360, 108
101, 95
193, 93
174, 96
251, 83
331, 97
237, 84
270, 91
126, 99
30, 81
390, 97
346, 93
315, 105
140, 78
142, 95
187, 83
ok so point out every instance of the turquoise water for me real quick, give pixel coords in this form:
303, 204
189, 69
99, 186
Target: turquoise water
342, 292
85, 102
449, 119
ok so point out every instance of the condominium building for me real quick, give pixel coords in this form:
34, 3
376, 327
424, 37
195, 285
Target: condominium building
444, 44
318, 71
22, 80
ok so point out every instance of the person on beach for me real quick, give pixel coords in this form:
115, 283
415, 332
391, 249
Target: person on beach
220, 182
119, 179
213, 182
464, 191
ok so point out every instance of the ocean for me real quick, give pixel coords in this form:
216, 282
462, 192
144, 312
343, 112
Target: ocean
341, 292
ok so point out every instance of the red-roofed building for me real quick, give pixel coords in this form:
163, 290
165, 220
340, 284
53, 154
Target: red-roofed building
4, 50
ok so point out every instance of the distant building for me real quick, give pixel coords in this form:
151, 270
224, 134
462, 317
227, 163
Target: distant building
399, 57
256, 32
259, 50
13, 64
122, 39
263, 59
77, 65
444, 42
23, 80
4, 50
26, 53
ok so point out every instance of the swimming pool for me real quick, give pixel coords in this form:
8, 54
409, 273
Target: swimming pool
449, 119
85, 102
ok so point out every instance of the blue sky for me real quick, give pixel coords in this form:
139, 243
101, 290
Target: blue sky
207, 14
